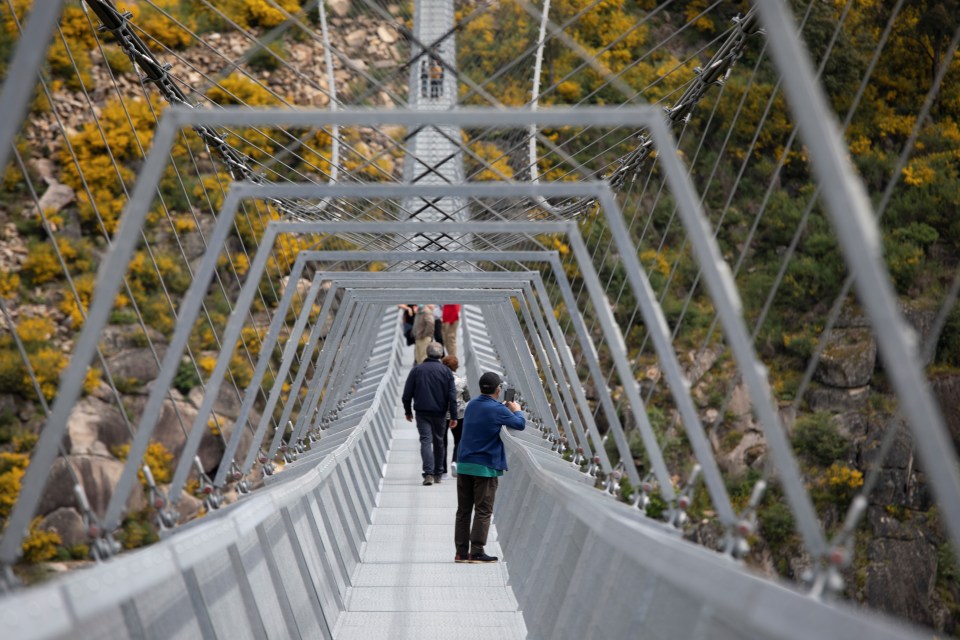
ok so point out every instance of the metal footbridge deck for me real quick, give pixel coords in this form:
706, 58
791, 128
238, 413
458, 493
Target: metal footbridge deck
406, 585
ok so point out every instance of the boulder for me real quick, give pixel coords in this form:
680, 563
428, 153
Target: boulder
193, 243
99, 477
117, 338
176, 420
227, 403
8, 404
386, 33
68, 524
921, 321
136, 366
946, 388
339, 7
93, 421
740, 401
901, 575
749, 453
833, 399
303, 286
356, 38
848, 359
188, 507
212, 445
900, 482
45, 168
56, 197
700, 363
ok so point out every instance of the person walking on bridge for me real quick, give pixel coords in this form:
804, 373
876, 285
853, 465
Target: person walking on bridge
424, 328
431, 390
481, 459
450, 315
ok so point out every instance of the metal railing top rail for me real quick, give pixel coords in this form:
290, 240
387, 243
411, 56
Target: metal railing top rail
722, 586
58, 607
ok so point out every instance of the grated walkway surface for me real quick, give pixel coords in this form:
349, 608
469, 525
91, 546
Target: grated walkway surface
408, 585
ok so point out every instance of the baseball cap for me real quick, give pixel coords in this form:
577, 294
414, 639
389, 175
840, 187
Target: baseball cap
489, 382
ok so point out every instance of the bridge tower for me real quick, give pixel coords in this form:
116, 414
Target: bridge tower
434, 154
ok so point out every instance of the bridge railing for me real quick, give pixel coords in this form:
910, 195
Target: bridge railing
585, 567
275, 564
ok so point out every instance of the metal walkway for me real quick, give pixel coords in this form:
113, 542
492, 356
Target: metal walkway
407, 585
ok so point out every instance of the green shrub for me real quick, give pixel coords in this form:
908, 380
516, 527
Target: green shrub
817, 439
776, 523
186, 377
137, 531
948, 347
269, 58
947, 570
116, 59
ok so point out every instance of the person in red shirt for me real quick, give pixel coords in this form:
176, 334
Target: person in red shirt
450, 316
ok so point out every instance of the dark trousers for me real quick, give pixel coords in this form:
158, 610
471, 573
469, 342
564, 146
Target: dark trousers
475, 496
457, 431
433, 443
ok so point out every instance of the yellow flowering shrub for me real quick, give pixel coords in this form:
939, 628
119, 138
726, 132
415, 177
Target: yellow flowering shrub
47, 364
91, 144
40, 545
694, 9
569, 91
239, 89
495, 163
152, 21
9, 284
837, 484
11, 368
35, 329
206, 364
241, 370
656, 261
157, 314
157, 457
12, 468
76, 309
91, 380
10, 461
41, 264
256, 13
183, 223
842, 476
251, 338
209, 189
918, 173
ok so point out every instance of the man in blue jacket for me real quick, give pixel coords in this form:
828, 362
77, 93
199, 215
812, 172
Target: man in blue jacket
481, 459
431, 389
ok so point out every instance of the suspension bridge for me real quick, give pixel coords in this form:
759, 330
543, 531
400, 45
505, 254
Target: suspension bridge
279, 239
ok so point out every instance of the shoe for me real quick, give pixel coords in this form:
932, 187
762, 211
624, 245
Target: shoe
427, 481
482, 558
461, 558
453, 469
436, 479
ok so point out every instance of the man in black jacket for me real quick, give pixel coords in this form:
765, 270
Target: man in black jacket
431, 389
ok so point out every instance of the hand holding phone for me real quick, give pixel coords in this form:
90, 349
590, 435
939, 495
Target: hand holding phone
509, 395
